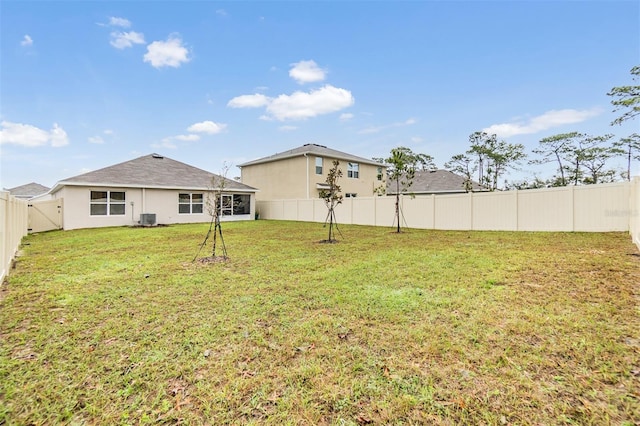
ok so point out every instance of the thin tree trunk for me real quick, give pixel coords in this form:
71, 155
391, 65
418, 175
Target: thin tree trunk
398, 212
215, 233
564, 182
629, 164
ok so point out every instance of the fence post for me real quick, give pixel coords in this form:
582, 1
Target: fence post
375, 209
517, 209
471, 209
433, 208
573, 208
4, 208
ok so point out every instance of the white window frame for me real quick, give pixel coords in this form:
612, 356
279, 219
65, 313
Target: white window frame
228, 202
353, 170
191, 203
108, 203
319, 161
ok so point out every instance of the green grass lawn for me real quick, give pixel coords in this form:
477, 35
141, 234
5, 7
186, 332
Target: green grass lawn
119, 326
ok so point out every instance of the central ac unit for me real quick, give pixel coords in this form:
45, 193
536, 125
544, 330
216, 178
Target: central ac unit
147, 219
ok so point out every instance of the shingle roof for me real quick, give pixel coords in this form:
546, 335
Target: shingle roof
29, 190
310, 148
152, 171
436, 182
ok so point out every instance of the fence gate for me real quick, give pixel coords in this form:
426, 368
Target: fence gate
45, 215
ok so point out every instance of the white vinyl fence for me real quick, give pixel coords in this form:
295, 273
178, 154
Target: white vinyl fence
634, 211
589, 208
13, 226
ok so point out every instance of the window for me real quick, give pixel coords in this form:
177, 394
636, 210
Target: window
379, 173
226, 205
318, 165
241, 204
107, 203
350, 195
234, 204
189, 203
353, 170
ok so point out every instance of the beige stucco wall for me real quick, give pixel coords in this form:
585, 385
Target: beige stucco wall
296, 178
161, 202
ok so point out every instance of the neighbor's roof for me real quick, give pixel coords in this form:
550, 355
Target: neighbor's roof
436, 182
29, 190
152, 171
313, 149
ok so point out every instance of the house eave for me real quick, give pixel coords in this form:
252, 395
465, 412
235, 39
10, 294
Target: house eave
62, 184
306, 153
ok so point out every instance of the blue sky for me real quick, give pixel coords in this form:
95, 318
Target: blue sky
84, 85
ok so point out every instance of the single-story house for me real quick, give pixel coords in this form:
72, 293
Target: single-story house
439, 181
28, 191
149, 190
301, 173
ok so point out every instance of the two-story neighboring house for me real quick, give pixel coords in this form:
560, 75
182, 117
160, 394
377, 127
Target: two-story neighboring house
301, 173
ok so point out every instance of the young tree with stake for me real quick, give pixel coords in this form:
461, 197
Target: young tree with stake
214, 208
332, 198
403, 164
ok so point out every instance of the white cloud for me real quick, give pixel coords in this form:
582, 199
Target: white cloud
168, 141
221, 12
31, 136
26, 41
306, 72
346, 116
299, 105
58, 136
187, 138
208, 127
287, 128
548, 120
303, 105
249, 101
121, 40
376, 129
119, 22
169, 53
96, 140
108, 132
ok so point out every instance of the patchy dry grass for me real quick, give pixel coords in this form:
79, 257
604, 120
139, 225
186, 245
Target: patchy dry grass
118, 326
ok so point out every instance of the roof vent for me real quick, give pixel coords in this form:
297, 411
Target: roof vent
157, 156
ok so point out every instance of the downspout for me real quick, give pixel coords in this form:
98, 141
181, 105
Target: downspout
307, 157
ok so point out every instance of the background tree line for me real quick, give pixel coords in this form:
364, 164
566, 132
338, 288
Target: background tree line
580, 159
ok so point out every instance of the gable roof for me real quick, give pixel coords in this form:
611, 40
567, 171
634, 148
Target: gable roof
436, 182
152, 171
313, 149
29, 190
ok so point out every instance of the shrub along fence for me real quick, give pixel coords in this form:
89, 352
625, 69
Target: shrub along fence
589, 208
14, 218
